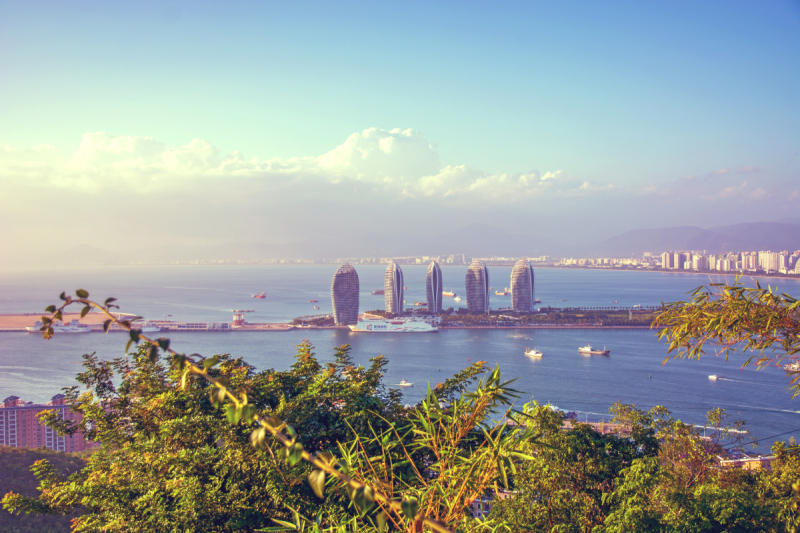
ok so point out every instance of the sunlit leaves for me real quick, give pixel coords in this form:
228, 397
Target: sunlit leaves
317, 481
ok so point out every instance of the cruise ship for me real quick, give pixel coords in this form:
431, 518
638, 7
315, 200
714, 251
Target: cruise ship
373, 323
60, 327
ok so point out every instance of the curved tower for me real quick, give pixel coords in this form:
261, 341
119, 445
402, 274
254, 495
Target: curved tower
477, 286
522, 291
433, 287
393, 288
344, 295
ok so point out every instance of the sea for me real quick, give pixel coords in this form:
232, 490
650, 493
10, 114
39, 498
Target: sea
635, 373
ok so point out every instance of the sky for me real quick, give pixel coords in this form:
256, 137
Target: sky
218, 122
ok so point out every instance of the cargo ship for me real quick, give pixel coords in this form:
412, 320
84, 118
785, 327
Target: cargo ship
588, 350
373, 323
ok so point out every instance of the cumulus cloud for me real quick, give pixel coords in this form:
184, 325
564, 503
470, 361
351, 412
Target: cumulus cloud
397, 162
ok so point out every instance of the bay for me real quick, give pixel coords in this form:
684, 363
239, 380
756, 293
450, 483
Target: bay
35, 369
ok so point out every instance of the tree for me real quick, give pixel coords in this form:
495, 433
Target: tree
732, 317
184, 444
562, 486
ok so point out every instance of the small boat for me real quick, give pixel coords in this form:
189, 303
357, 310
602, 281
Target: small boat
457, 299
260, 295
418, 304
405, 288
588, 350
533, 353
316, 307
378, 292
404, 383
615, 302
713, 377
313, 301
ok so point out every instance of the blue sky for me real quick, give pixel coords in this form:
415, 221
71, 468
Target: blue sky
672, 112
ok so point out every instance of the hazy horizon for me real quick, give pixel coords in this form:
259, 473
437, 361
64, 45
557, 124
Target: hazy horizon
133, 125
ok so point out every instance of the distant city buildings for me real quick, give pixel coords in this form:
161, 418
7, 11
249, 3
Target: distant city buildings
344, 295
766, 262
20, 426
433, 287
522, 289
393, 288
477, 287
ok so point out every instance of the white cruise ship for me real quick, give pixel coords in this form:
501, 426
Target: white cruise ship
372, 323
59, 327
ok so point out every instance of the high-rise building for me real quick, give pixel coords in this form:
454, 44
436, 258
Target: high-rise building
393, 288
20, 427
344, 295
433, 287
477, 287
522, 289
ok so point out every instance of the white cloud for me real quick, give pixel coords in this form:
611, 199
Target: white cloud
396, 162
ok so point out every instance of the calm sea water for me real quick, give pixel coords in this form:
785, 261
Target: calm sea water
35, 369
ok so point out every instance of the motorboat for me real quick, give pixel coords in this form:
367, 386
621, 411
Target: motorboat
713, 377
404, 383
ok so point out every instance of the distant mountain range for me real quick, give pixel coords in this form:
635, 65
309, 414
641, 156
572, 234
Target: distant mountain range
751, 236
475, 240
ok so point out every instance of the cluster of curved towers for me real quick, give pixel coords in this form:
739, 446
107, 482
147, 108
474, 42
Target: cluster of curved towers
345, 289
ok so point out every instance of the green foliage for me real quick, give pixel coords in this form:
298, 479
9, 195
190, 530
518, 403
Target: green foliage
16, 477
210, 444
732, 317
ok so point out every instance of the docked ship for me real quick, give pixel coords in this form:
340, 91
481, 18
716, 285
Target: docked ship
588, 350
448, 293
73, 327
373, 323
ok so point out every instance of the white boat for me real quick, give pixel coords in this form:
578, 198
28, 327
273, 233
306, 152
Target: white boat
792, 367
533, 353
73, 327
457, 299
404, 383
713, 377
372, 324
588, 350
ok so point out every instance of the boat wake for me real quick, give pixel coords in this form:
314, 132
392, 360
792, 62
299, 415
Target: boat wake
771, 409
750, 382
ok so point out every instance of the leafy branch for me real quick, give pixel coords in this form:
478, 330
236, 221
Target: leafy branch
731, 317
239, 410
